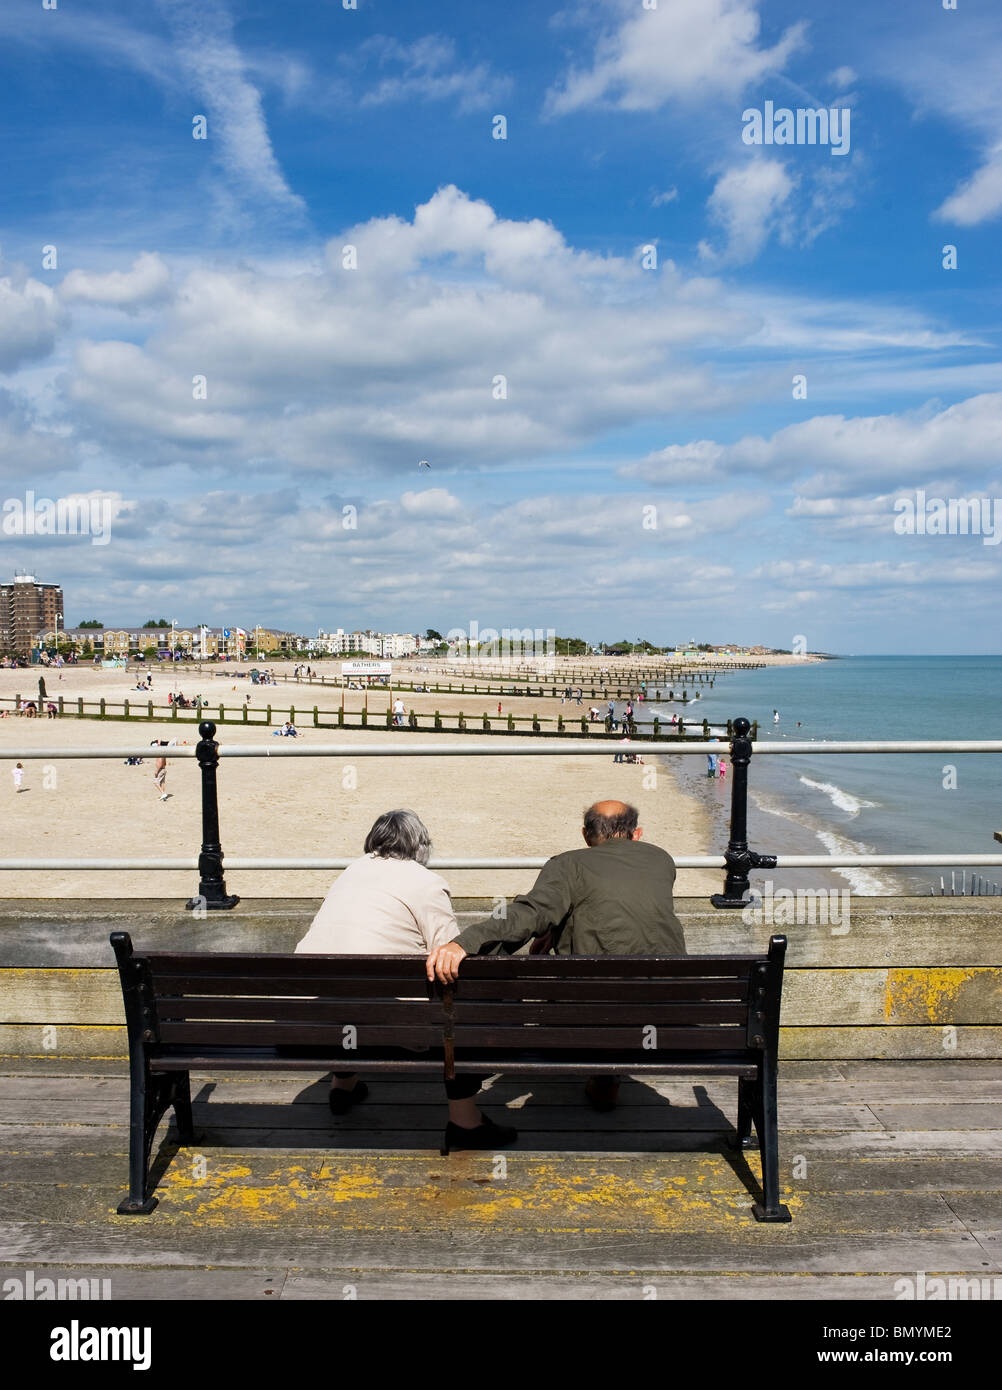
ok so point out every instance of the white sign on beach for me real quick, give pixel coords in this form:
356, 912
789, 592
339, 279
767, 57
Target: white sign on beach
366, 668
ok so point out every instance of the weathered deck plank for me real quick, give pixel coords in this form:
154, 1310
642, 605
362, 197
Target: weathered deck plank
883, 1164
764, 1249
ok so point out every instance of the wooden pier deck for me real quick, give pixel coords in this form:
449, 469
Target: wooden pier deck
889, 1169
890, 1097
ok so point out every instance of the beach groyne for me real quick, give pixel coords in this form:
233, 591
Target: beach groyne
270, 715
662, 686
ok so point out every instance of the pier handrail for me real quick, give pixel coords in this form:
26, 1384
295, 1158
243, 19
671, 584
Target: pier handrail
682, 861
564, 749
738, 858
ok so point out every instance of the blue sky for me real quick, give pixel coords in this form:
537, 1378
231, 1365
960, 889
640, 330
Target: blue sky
645, 467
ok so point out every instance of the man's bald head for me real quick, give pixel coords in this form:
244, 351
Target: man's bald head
610, 820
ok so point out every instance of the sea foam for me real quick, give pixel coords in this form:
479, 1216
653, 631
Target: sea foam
845, 801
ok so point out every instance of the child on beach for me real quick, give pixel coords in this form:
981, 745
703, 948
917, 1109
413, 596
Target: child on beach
18, 774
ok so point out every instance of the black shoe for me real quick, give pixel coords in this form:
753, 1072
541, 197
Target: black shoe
487, 1135
341, 1102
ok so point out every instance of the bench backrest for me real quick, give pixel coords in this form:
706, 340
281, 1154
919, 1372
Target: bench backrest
613, 1003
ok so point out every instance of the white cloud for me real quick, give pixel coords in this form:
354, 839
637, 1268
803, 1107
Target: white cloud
214, 66
427, 70
745, 203
29, 449
203, 61
688, 50
30, 319
375, 368
950, 69
849, 454
877, 575
979, 198
660, 199
148, 281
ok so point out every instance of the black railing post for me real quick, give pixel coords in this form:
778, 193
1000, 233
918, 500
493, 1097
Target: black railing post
738, 857
212, 892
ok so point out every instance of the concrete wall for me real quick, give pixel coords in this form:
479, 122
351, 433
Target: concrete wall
910, 978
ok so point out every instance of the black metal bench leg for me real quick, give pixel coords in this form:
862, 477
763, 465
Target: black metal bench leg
746, 1109
138, 1203
182, 1108
771, 1209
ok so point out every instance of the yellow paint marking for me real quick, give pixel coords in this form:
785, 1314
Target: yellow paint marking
936, 995
369, 1195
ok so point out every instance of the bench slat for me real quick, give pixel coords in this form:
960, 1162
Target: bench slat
610, 967
207, 1033
330, 1012
687, 1064
292, 966
311, 987
420, 1013
200, 1032
479, 1013
473, 968
475, 1040
638, 991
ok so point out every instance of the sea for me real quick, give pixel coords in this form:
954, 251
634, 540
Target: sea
862, 803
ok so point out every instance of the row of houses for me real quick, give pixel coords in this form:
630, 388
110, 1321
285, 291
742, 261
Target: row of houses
214, 643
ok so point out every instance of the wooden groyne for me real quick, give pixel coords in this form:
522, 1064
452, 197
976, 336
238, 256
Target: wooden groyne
434, 721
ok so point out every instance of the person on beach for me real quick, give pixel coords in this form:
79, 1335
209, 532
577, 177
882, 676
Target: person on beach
722, 767
160, 768
398, 711
711, 764
613, 898
389, 903
18, 774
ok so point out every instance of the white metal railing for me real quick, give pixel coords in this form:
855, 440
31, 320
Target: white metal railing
501, 747
682, 861
480, 748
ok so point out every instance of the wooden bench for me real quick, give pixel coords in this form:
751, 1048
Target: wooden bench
527, 1015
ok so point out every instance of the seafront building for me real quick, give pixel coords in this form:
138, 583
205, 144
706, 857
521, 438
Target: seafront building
198, 642
26, 606
201, 642
382, 644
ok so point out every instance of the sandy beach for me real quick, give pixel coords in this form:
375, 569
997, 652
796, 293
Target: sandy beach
497, 806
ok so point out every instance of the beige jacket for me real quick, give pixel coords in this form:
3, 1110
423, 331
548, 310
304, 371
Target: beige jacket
382, 907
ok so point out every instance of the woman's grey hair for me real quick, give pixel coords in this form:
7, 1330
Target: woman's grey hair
399, 835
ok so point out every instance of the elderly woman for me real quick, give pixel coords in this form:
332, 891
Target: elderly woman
389, 903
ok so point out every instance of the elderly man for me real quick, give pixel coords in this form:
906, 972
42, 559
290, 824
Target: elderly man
613, 898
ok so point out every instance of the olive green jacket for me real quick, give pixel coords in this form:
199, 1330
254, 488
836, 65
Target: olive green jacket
612, 899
